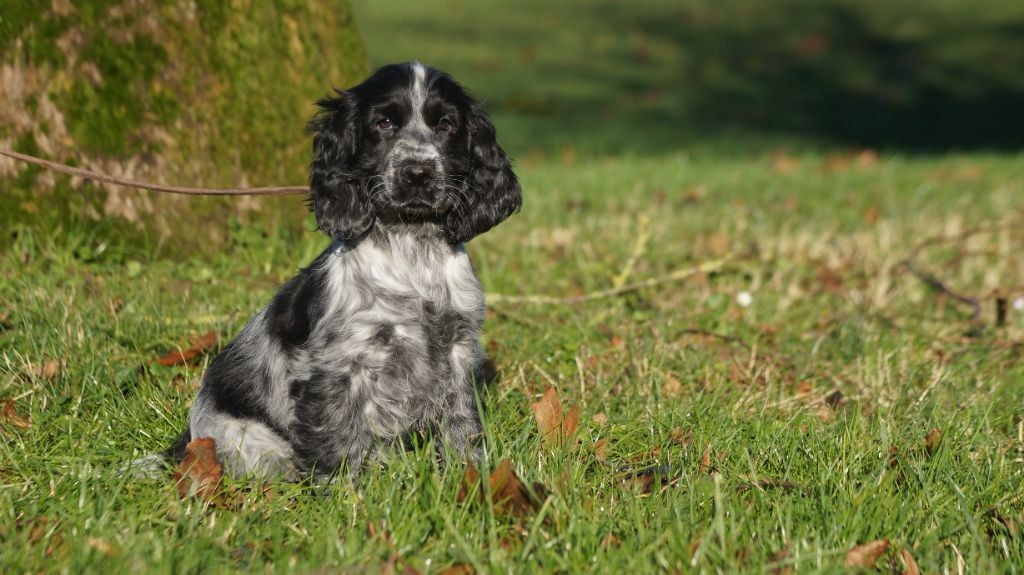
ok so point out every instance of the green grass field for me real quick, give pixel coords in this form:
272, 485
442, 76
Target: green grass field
788, 400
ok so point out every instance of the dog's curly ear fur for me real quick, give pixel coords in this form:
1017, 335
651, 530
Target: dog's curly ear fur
336, 197
493, 192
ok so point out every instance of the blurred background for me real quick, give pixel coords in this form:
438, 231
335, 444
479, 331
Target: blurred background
648, 76
206, 93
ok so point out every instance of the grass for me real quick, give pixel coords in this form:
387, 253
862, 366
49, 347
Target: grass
815, 236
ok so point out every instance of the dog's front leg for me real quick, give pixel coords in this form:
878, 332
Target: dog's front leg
460, 426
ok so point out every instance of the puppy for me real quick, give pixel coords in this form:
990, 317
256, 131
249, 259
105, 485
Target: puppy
379, 336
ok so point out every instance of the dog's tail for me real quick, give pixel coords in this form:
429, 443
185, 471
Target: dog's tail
155, 464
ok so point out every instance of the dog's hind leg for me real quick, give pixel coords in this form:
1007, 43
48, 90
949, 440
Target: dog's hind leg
245, 447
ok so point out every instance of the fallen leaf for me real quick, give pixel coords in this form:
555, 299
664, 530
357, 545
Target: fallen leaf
932, 441
48, 369
909, 565
679, 437
469, 481
600, 449
101, 545
705, 461
618, 342
200, 471
200, 345
871, 215
555, 429
600, 419
804, 387
718, 244
458, 569
778, 559
672, 387
867, 158
10, 417
866, 555
508, 494
835, 400
784, 164
610, 540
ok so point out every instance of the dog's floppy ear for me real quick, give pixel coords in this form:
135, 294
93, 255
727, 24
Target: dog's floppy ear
337, 196
493, 192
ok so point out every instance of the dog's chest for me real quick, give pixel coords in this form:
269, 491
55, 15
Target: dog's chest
403, 332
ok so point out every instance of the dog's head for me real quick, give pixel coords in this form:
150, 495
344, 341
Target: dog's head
408, 145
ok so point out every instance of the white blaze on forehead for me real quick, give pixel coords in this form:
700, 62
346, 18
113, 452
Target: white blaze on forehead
419, 87
414, 148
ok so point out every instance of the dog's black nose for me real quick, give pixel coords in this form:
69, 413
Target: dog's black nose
418, 174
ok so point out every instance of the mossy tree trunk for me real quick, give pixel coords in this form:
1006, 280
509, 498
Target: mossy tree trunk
187, 92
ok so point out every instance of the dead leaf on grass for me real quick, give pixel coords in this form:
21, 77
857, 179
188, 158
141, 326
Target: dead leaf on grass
200, 471
610, 540
672, 388
600, 449
600, 419
705, 461
508, 493
555, 428
909, 565
101, 545
458, 569
10, 417
866, 555
200, 345
680, 437
932, 441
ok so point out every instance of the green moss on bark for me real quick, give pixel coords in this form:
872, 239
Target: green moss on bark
200, 93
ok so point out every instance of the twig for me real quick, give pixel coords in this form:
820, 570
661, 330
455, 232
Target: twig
938, 285
107, 179
642, 236
681, 274
908, 264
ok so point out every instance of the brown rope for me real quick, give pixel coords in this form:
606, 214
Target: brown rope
97, 177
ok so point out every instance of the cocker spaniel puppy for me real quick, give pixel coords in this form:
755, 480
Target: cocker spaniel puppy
379, 336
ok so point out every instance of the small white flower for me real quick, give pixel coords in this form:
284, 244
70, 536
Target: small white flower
1018, 304
744, 299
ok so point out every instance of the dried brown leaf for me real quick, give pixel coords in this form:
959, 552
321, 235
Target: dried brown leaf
866, 555
610, 540
909, 565
555, 430
470, 479
672, 388
600, 419
508, 494
718, 244
48, 369
600, 449
680, 437
458, 569
932, 441
705, 460
200, 471
101, 545
10, 417
200, 345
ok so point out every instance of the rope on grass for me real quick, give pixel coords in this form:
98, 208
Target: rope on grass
108, 179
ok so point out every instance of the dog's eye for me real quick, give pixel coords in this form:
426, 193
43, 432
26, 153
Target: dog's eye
445, 125
385, 123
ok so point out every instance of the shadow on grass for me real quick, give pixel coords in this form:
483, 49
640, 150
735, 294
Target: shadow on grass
651, 76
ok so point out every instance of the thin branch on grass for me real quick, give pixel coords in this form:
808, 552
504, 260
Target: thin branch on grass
678, 275
909, 264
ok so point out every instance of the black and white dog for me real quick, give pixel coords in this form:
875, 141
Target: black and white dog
379, 336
